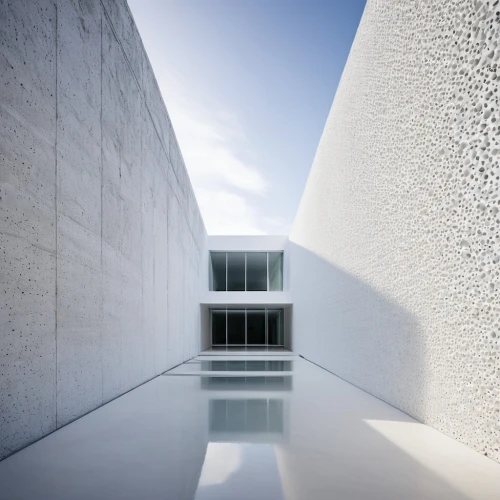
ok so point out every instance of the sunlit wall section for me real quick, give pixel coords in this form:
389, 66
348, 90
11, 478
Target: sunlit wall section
395, 250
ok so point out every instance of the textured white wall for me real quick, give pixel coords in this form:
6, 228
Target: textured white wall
102, 243
395, 249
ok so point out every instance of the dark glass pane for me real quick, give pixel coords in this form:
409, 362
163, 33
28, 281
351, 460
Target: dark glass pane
257, 271
218, 271
235, 327
256, 327
275, 271
275, 327
218, 327
236, 271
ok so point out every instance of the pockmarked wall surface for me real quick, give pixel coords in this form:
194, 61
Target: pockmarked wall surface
101, 240
395, 250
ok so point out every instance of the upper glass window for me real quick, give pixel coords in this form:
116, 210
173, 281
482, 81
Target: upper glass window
246, 271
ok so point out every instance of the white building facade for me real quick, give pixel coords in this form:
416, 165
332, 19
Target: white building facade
246, 299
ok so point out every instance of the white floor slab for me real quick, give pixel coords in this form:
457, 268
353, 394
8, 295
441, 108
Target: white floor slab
247, 351
242, 356
234, 367
299, 434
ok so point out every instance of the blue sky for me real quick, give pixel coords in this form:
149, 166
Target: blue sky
248, 85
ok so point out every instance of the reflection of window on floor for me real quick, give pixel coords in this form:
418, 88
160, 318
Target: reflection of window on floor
246, 415
246, 366
246, 271
274, 383
246, 327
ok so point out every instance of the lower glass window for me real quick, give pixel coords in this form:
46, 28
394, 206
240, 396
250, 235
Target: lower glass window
247, 327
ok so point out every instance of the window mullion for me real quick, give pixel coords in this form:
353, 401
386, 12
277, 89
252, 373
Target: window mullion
267, 258
265, 315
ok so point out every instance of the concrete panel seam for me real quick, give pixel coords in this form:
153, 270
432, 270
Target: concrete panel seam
56, 197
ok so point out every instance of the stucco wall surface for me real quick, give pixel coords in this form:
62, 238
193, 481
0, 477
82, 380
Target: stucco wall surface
395, 250
101, 240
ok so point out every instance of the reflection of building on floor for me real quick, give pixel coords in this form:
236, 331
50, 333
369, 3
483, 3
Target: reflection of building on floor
278, 383
251, 366
256, 420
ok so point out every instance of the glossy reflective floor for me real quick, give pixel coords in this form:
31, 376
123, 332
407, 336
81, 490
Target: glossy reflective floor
232, 426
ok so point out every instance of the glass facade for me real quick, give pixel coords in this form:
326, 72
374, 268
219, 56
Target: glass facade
236, 272
256, 326
257, 272
275, 271
246, 271
275, 327
219, 327
247, 327
218, 270
236, 327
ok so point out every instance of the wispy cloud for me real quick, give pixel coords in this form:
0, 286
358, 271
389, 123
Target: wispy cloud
208, 149
216, 151
227, 212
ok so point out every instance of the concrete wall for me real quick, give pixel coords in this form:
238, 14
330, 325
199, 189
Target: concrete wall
395, 249
102, 243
